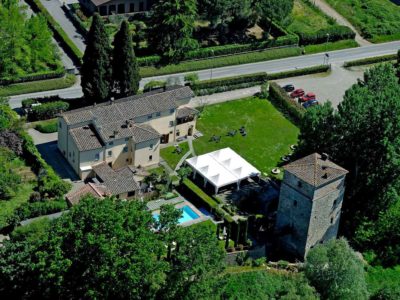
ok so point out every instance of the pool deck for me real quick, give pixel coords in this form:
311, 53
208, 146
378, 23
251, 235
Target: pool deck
178, 202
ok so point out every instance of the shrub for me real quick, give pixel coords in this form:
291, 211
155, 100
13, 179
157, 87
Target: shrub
49, 126
191, 78
336, 33
59, 33
280, 98
34, 77
47, 110
370, 60
36, 209
259, 262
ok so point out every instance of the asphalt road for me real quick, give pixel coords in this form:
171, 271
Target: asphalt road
337, 58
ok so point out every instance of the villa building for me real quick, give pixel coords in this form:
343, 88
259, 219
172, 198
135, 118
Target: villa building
111, 7
310, 203
125, 132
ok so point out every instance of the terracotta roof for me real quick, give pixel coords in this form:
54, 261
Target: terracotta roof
186, 111
116, 181
118, 130
97, 191
315, 170
85, 138
130, 107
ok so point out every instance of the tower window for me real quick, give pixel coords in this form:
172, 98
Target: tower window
151, 157
299, 184
295, 203
332, 220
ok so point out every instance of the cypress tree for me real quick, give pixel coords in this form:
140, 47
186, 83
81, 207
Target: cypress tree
126, 76
96, 66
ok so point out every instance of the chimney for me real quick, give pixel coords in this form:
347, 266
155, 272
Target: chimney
115, 133
111, 100
324, 156
94, 104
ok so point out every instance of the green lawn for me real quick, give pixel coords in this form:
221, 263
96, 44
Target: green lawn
37, 86
308, 19
376, 20
269, 133
170, 155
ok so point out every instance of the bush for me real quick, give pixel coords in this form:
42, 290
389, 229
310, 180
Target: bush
259, 262
191, 78
37, 86
370, 60
48, 126
36, 209
336, 33
280, 98
34, 77
59, 33
47, 110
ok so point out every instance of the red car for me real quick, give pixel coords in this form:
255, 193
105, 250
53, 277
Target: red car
308, 97
297, 93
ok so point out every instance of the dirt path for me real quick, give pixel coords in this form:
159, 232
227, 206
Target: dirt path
326, 8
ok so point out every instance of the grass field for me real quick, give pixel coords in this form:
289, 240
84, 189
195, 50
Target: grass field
376, 20
308, 19
170, 155
37, 86
269, 133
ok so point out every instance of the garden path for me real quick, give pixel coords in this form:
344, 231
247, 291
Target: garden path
326, 8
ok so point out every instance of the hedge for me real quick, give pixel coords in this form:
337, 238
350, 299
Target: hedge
370, 60
34, 77
27, 103
208, 201
36, 209
48, 110
286, 39
280, 98
76, 21
336, 33
208, 87
59, 33
48, 126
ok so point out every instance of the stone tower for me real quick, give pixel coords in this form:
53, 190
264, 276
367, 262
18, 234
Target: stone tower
310, 203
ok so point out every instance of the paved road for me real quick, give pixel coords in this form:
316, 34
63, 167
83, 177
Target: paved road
337, 58
327, 9
54, 8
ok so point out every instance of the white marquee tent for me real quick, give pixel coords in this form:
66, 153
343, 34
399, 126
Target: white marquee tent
222, 167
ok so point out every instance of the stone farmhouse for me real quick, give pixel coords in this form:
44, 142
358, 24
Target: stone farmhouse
310, 203
125, 132
111, 7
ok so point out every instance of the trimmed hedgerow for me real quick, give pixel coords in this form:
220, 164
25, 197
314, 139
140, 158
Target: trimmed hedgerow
370, 60
336, 33
33, 77
48, 110
279, 97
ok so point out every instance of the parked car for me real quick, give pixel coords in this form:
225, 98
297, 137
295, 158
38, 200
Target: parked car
310, 103
307, 97
297, 93
288, 87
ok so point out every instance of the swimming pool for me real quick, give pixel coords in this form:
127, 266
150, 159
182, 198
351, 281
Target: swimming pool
187, 215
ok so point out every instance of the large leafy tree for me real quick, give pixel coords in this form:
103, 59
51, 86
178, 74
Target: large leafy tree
125, 68
172, 28
336, 271
96, 66
363, 136
107, 249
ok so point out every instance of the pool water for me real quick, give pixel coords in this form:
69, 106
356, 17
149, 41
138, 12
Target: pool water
187, 215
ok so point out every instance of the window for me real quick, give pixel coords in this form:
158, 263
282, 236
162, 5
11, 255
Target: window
178, 132
69, 154
299, 184
150, 157
60, 125
121, 8
131, 194
97, 156
158, 114
332, 220
151, 146
125, 149
111, 143
141, 6
132, 7
111, 9
103, 10
149, 117
126, 139
172, 110
109, 153
295, 203
171, 123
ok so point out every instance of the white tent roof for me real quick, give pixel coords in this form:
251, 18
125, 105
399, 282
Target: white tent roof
222, 167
